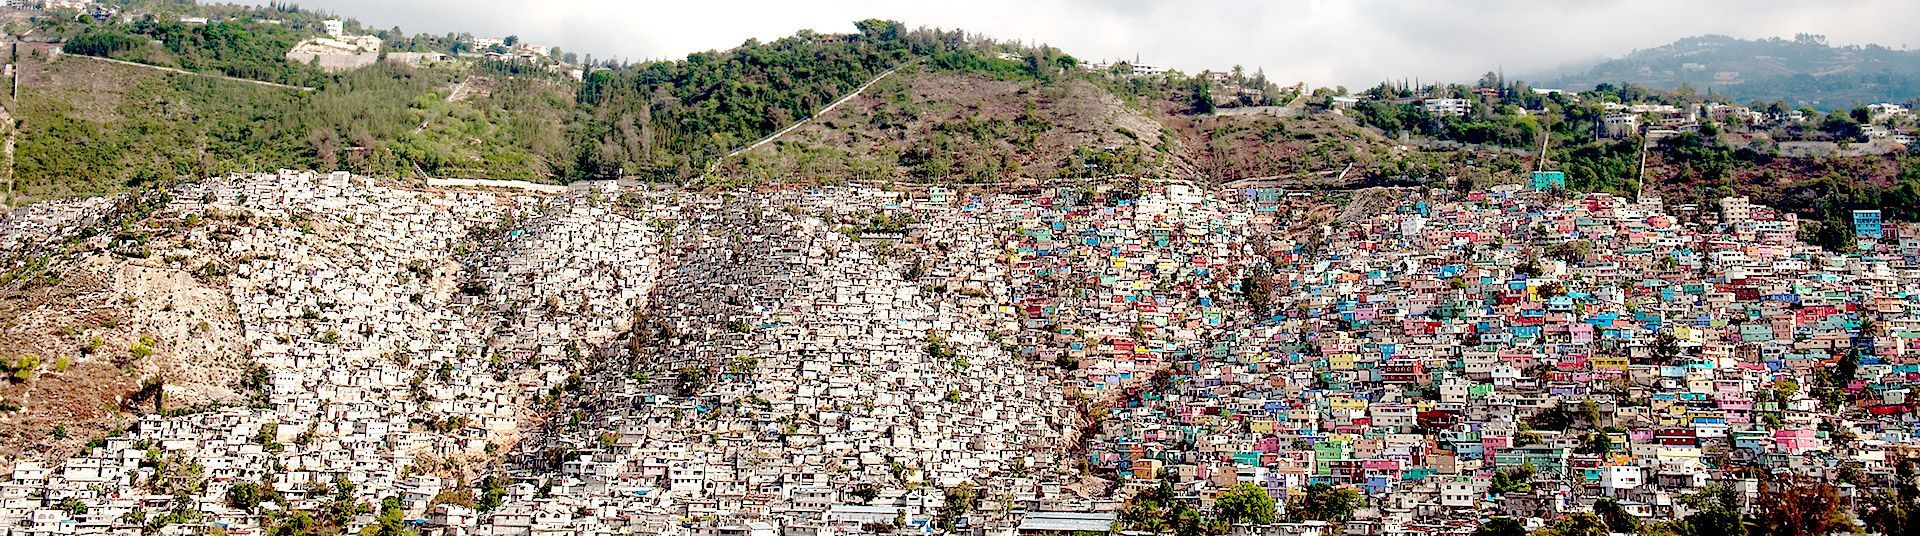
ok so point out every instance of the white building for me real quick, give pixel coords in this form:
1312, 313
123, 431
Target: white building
1451, 107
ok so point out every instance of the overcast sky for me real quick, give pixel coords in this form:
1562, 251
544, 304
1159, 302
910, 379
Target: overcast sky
1321, 42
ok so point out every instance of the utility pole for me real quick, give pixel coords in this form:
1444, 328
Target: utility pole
1640, 178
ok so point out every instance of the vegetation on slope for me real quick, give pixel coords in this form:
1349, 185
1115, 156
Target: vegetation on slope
239, 48
668, 120
962, 109
931, 124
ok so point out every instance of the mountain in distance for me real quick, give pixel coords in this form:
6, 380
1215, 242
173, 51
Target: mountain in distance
1803, 71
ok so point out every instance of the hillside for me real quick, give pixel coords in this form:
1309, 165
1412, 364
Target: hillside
958, 108
925, 125
290, 352
1803, 71
961, 109
88, 127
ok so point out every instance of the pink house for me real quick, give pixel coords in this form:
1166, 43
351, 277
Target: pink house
1796, 441
1582, 333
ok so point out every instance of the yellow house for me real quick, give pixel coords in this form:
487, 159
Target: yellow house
1339, 404
1614, 363
1340, 361
1687, 333
1261, 426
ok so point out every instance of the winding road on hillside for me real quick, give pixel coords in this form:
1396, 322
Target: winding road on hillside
191, 73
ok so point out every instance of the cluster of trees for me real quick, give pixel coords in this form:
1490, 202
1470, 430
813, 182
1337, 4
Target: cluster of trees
667, 120
1608, 166
1786, 506
241, 48
102, 42
1044, 64
1830, 190
1160, 511
1107, 162
1485, 124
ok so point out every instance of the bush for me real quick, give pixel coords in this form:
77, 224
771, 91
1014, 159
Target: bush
21, 368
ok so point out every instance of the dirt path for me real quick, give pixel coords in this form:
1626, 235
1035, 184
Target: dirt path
797, 124
6, 160
823, 111
190, 73
452, 96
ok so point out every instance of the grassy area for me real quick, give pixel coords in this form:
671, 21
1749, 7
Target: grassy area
93, 128
513, 128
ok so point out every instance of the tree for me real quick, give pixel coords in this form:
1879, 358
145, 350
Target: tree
1578, 524
1615, 516
1556, 418
390, 521
1784, 389
1590, 411
960, 500
1716, 512
1202, 91
865, 491
1515, 480
247, 496
1892, 511
879, 30
1152, 510
1500, 526
1244, 503
1325, 503
1191, 522
1257, 288
1798, 506
1597, 442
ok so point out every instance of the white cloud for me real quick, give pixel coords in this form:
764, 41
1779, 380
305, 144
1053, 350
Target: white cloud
1323, 42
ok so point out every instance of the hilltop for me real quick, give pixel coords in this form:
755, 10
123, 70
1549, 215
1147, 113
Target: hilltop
1803, 71
962, 108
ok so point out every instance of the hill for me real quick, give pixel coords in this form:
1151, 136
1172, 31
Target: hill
1803, 71
951, 108
931, 125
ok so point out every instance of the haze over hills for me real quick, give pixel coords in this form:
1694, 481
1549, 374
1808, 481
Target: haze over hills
1803, 71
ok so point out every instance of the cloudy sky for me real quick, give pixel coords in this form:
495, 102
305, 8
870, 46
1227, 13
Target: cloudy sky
1322, 42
